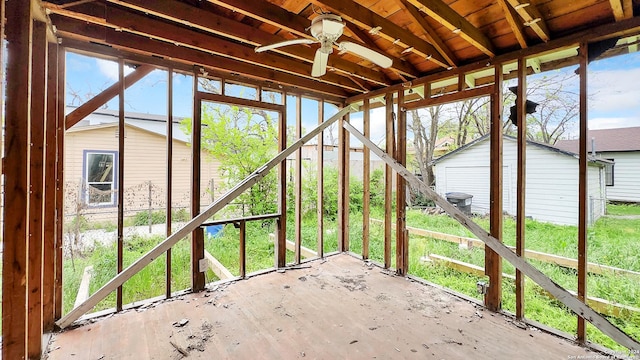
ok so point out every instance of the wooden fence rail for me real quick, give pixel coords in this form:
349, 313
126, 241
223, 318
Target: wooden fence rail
566, 262
602, 306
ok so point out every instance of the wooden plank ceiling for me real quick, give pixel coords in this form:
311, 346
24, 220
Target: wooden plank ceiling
421, 36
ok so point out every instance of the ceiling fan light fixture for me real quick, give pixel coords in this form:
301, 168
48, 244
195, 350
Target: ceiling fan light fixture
327, 27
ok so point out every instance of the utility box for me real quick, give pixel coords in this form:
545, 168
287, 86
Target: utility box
460, 200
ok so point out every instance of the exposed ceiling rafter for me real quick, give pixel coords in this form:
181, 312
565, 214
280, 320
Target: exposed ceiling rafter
453, 21
514, 22
429, 33
532, 18
622, 9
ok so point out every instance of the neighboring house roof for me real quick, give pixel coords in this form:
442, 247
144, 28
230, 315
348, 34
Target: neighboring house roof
127, 125
156, 124
619, 139
511, 138
445, 141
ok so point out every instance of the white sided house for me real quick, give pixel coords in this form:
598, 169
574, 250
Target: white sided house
551, 181
91, 166
622, 146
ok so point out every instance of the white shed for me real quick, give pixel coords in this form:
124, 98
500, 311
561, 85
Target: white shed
551, 184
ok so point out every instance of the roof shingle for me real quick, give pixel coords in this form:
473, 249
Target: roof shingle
620, 139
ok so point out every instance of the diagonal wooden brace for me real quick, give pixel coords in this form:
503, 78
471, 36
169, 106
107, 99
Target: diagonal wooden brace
109, 93
162, 247
521, 264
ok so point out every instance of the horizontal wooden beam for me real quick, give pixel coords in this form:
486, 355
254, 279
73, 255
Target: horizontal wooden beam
194, 223
305, 252
519, 263
463, 266
449, 98
239, 101
216, 266
109, 93
238, 220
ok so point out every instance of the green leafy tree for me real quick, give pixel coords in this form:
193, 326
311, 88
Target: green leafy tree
241, 140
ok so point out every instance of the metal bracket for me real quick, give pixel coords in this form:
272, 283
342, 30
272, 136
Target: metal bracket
203, 264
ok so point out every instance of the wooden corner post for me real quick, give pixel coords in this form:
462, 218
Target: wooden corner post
582, 192
59, 184
49, 245
493, 261
36, 179
16, 179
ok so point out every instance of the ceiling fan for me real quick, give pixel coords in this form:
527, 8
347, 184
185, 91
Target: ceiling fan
327, 28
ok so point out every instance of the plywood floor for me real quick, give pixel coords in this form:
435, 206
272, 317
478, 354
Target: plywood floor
337, 308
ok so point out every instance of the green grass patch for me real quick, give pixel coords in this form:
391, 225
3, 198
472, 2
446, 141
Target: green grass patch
623, 209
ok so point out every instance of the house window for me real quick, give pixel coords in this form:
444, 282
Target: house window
99, 176
608, 173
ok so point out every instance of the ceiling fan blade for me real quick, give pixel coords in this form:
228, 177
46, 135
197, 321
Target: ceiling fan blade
366, 53
320, 64
284, 43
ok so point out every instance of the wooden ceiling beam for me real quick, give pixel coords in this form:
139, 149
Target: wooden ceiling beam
274, 15
514, 22
622, 9
229, 28
75, 29
455, 22
532, 18
113, 53
368, 20
397, 62
429, 33
124, 21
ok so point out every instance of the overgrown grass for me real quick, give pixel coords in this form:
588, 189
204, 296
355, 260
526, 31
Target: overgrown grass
148, 283
623, 209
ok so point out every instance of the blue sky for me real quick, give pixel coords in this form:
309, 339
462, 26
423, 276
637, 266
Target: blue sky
613, 89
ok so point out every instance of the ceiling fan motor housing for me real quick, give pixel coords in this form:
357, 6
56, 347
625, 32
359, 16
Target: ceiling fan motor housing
327, 28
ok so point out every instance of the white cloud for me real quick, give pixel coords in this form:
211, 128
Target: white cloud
614, 91
109, 69
611, 123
